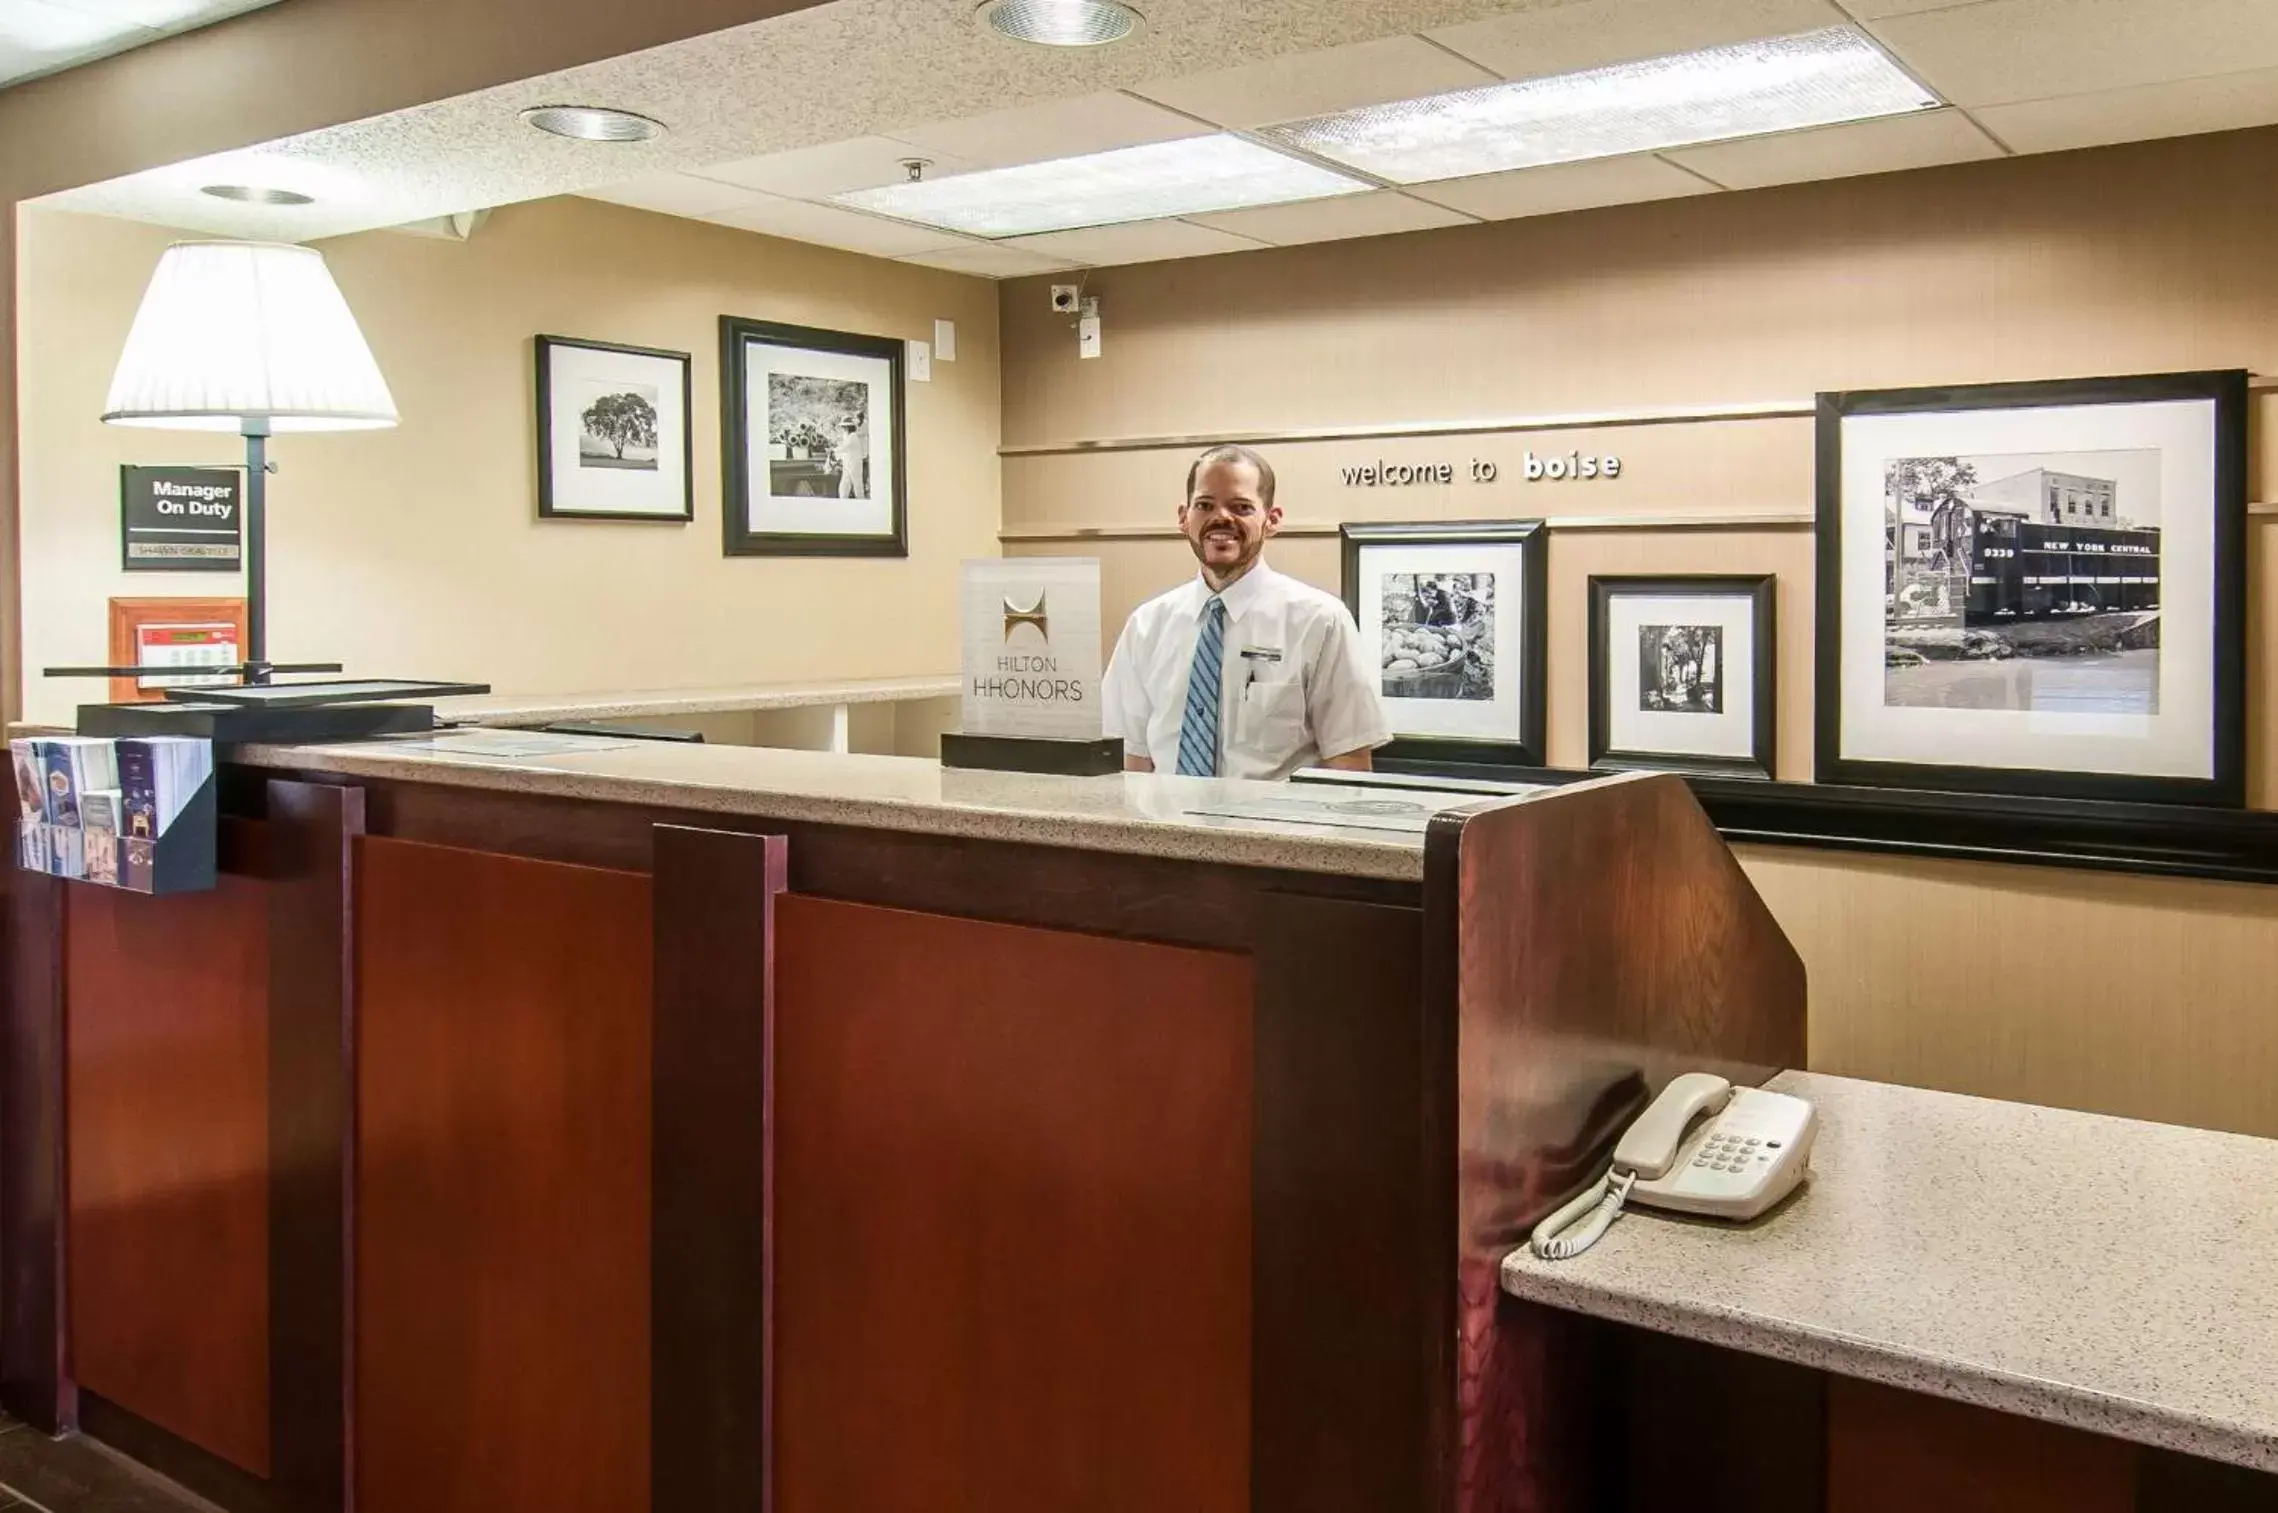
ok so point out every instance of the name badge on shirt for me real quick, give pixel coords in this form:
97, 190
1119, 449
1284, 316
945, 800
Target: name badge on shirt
1261, 654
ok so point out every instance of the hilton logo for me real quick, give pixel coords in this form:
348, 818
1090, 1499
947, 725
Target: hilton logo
1035, 615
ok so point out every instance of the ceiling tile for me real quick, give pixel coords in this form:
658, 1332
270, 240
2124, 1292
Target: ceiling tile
1560, 39
1138, 242
1313, 84
833, 168
2227, 103
2002, 51
1055, 129
990, 260
1834, 152
164, 15
1380, 214
37, 35
675, 194
1564, 186
833, 227
1870, 10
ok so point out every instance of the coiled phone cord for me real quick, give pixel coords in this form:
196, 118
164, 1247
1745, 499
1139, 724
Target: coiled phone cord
1606, 1195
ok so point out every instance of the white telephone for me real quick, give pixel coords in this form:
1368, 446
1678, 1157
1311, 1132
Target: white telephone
1746, 1158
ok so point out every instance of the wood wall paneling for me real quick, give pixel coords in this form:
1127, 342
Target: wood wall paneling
2145, 997
1587, 944
503, 1184
168, 1148
34, 1385
712, 1280
1346, 1296
311, 830
1890, 1451
1012, 1215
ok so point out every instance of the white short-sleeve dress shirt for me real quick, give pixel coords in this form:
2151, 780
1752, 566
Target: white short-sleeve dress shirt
1292, 685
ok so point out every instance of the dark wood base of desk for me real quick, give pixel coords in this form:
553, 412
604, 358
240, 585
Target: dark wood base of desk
619, 1157
1692, 1426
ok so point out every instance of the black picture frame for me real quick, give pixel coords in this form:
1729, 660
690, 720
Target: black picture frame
550, 504
1761, 590
2225, 787
737, 336
1534, 621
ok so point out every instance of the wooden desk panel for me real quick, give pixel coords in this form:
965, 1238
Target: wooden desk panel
502, 1226
1013, 1218
167, 1137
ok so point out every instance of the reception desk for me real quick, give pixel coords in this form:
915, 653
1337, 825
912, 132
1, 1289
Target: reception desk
602, 1125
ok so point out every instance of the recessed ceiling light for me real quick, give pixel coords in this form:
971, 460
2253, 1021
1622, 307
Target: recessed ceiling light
1746, 89
248, 194
593, 123
1060, 23
1183, 177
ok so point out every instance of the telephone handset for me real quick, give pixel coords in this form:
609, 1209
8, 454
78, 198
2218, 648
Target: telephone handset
1748, 1155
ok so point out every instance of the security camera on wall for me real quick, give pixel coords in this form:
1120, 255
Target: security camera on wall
1064, 298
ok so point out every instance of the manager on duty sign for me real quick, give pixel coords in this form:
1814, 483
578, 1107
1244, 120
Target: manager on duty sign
181, 520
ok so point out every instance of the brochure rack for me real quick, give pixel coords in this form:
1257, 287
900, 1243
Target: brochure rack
180, 858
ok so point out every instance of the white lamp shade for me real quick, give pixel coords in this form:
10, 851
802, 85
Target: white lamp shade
232, 333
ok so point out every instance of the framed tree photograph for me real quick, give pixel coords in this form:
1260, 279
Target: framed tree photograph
1452, 618
2036, 588
613, 439
1683, 674
811, 433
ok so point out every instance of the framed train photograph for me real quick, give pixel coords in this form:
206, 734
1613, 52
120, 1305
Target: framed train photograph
2035, 588
1452, 617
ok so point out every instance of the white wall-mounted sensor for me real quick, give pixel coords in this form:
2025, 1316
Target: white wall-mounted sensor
1064, 298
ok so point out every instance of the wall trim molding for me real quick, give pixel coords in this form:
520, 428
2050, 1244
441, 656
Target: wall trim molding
1773, 409
1780, 520
1577, 420
1763, 520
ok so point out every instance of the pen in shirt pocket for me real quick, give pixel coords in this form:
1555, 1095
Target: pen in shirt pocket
1252, 656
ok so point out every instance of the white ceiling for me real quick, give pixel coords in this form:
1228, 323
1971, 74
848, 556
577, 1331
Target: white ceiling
44, 36
770, 120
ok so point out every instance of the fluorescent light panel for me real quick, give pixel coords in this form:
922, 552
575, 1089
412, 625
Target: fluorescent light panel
1747, 89
1187, 176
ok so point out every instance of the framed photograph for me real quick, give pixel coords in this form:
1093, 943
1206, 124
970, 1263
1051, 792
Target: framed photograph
2036, 588
613, 440
1682, 674
812, 442
1452, 616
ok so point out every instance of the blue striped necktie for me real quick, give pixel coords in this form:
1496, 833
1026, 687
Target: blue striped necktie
1198, 731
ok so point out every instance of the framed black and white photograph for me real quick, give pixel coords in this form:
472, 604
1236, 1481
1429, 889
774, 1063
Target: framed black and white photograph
1451, 617
613, 439
1682, 674
812, 441
2036, 588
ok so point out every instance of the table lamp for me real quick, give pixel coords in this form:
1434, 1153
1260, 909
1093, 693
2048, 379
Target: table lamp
251, 337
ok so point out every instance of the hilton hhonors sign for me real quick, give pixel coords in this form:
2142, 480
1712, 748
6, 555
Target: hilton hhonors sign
1031, 631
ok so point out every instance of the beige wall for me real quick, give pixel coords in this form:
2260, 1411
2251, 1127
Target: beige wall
268, 74
2146, 997
417, 551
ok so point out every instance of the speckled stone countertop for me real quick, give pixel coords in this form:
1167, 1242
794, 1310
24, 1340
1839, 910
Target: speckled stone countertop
543, 709
2117, 1276
1134, 813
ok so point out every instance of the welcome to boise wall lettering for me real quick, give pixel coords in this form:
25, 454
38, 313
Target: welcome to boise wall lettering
1577, 466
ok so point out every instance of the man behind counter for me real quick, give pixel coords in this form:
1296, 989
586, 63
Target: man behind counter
1240, 672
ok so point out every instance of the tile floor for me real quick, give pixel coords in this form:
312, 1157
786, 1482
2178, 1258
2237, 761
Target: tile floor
40, 1475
